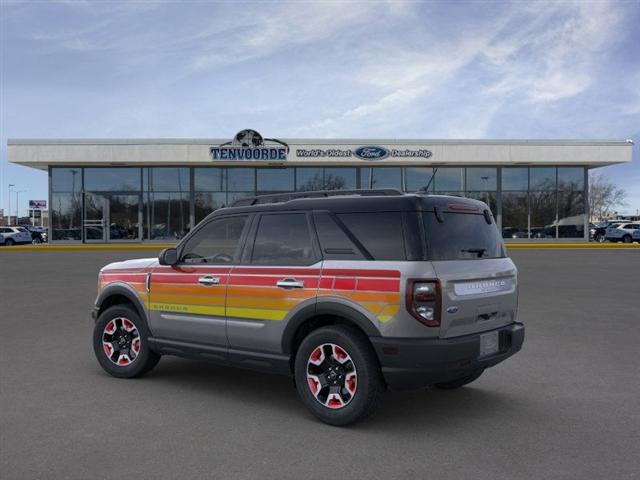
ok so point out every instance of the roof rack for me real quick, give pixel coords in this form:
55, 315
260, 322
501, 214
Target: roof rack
284, 197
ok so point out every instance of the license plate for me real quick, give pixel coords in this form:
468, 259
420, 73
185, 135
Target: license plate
489, 344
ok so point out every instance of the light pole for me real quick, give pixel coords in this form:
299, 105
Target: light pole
9, 211
18, 192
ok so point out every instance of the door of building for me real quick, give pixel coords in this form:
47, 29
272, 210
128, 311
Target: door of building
112, 217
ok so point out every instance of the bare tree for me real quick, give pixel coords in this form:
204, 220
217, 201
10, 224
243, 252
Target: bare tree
604, 196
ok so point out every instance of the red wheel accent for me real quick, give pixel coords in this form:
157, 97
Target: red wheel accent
111, 327
124, 360
335, 402
127, 325
135, 345
350, 383
314, 385
317, 355
108, 349
339, 353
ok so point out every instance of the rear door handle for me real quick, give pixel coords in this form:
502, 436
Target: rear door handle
208, 280
289, 283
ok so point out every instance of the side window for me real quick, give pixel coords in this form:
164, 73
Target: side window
216, 243
379, 232
283, 239
334, 242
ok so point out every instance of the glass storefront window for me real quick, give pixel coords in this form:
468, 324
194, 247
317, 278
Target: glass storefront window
449, 180
309, 179
209, 179
515, 178
233, 196
166, 179
542, 178
167, 215
570, 178
515, 214
571, 211
66, 179
490, 198
484, 179
543, 214
417, 178
340, 178
207, 202
66, 217
241, 179
381, 177
112, 179
274, 180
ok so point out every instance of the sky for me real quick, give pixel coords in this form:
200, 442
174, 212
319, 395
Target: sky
387, 69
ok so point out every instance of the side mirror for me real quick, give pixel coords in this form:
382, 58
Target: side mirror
168, 256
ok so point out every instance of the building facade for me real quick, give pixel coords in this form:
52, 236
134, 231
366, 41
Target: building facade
133, 190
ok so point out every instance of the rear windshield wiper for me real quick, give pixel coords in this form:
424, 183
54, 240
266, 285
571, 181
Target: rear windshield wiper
479, 251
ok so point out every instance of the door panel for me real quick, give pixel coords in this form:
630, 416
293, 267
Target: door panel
186, 303
257, 307
95, 217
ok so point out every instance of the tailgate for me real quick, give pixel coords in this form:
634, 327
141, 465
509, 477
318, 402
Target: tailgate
477, 295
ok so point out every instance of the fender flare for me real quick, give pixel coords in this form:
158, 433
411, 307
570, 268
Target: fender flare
125, 291
326, 308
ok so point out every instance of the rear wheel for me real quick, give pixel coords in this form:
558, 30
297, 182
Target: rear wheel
626, 239
459, 382
36, 241
120, 343
337, 375
599, 238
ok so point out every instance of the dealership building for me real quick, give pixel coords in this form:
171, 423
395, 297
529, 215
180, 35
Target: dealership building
133, 190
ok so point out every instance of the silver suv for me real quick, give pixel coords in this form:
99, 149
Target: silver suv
350, 293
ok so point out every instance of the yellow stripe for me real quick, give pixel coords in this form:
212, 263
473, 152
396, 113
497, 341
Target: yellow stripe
256, 313
180, 308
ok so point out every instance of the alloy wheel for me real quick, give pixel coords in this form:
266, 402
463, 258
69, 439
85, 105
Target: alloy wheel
332, 376
121, 341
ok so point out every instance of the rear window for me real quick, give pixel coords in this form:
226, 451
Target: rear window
380, 233
462, 236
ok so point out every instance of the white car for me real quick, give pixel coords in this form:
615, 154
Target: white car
636, 235
622, 233
15, 235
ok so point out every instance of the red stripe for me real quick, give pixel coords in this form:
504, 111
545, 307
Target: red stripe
276, 271
361, 273
345, 284
160, 278
378, 285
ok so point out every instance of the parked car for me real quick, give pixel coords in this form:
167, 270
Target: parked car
38, 234
315, 289
15, 235
622, 232
599, 232
1, 239
636, 235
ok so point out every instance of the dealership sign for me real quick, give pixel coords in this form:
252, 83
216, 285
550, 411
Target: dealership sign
38, 204
250, 145
365, 152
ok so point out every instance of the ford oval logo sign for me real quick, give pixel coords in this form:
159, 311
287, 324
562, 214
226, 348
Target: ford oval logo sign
371, 153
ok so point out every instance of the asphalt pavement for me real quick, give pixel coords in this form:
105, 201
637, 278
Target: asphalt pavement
567, 406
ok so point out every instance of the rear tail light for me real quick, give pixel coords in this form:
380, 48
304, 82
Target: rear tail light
423, 301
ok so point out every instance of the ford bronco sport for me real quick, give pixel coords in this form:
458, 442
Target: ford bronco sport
350, 293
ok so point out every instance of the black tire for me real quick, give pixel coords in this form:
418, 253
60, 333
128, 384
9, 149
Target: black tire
145, 359
626, 239
36, 241
9, 242
369, 383
599, 238
459, 382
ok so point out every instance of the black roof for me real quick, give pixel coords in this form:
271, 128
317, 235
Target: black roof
358, 201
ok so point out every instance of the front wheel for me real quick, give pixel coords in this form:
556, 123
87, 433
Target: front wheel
36, 241
337, 375
599, 238
9, 242
120, 343
459, 382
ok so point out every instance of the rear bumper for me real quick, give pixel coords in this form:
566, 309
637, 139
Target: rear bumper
409, 363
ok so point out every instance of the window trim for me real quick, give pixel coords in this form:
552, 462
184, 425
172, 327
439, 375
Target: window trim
250, 240
241, 241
